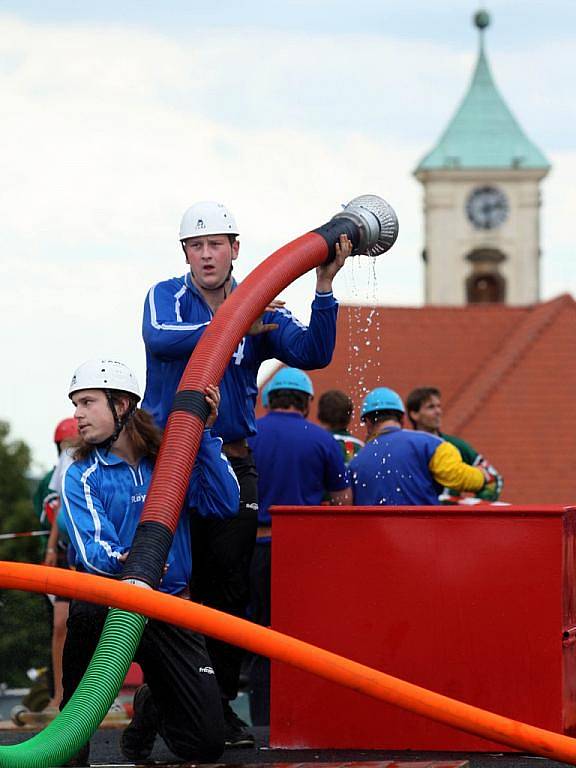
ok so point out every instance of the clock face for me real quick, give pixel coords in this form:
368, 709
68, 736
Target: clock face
487, 207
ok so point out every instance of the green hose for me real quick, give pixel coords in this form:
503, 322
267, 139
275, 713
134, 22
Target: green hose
74, 726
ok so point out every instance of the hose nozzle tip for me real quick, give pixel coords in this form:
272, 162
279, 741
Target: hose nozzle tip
377, 222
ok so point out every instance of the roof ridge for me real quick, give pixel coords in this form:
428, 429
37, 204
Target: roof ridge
481, 384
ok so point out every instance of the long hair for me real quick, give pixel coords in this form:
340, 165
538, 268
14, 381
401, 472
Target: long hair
140, 428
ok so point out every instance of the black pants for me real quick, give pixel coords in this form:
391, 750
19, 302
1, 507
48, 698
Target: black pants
221, 555
260, 610
177, 670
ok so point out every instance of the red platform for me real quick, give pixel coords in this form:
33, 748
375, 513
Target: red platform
476, 603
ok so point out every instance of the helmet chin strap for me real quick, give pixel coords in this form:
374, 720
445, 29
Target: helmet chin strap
119, 421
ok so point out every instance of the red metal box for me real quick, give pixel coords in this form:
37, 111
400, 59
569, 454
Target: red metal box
476, 603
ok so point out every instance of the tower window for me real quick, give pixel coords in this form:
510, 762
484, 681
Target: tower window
486, 288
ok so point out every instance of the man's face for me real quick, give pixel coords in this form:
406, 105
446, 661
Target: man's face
210, 258
93, 414
429, 417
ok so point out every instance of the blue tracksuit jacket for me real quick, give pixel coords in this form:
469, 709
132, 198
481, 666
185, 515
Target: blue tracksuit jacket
297, 462
103, 497
175, 317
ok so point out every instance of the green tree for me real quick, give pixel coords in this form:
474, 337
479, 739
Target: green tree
24, 624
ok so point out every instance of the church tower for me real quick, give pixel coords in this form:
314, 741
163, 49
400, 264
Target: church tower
482, 201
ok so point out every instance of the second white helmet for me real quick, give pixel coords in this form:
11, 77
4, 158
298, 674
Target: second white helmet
207, 218
104, 374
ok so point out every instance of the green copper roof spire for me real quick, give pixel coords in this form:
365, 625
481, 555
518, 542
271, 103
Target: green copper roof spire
483, 133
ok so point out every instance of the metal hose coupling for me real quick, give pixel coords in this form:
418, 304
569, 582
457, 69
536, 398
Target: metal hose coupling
376, 221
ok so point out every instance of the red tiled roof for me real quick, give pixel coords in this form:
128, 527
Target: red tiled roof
507, 377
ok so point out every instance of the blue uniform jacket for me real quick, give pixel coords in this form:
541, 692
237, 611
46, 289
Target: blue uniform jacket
297, 462
103, 497
393, 470
175, 317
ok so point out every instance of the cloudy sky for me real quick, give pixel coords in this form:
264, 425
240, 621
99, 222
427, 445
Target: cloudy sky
114, 117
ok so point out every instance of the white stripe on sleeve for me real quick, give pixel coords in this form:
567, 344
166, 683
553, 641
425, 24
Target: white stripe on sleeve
170, 326
78, 542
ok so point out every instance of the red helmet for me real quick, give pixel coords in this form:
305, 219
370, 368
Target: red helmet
67, 429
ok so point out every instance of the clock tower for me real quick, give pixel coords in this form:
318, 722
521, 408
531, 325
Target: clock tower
482, 201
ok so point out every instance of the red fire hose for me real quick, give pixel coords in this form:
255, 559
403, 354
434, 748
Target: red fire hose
372, 227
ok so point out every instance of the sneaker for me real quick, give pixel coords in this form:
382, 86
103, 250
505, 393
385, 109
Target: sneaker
137, 740
80, 758
235, 729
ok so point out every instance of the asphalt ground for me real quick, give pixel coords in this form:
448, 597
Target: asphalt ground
105, 752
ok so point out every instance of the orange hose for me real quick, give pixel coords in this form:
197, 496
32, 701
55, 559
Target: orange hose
266, 642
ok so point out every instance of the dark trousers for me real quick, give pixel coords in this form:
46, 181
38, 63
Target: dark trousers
221, 555
260, 610
177, 670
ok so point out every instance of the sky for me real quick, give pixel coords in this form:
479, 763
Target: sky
115, 117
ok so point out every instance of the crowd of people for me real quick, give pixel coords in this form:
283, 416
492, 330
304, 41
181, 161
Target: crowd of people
221, 554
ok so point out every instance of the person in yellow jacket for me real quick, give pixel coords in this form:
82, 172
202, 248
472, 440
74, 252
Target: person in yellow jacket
399, 467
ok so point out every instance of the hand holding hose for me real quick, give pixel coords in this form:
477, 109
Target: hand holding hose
326, 273
258, 326
213, 400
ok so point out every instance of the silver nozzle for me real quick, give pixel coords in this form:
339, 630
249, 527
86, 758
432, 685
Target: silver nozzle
377, 222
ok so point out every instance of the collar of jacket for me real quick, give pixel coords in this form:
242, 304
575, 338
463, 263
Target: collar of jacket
108, 458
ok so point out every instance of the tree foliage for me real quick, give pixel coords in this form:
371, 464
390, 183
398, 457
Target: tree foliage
24, 621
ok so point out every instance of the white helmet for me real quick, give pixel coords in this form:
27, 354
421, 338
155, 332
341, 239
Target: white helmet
104, 374
207, 218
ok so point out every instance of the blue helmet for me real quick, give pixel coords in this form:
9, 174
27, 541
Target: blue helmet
291, 378
382, 399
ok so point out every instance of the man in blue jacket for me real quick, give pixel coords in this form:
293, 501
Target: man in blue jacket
299, 464
176, 313
399, 467
103, 494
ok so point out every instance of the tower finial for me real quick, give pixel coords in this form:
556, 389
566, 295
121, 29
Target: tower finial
482, 19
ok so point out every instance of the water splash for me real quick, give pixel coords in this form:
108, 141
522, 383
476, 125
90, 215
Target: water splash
364, 347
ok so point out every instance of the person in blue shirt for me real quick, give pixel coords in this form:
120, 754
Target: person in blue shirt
176, 314
103, 493
399, 467
298, 464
